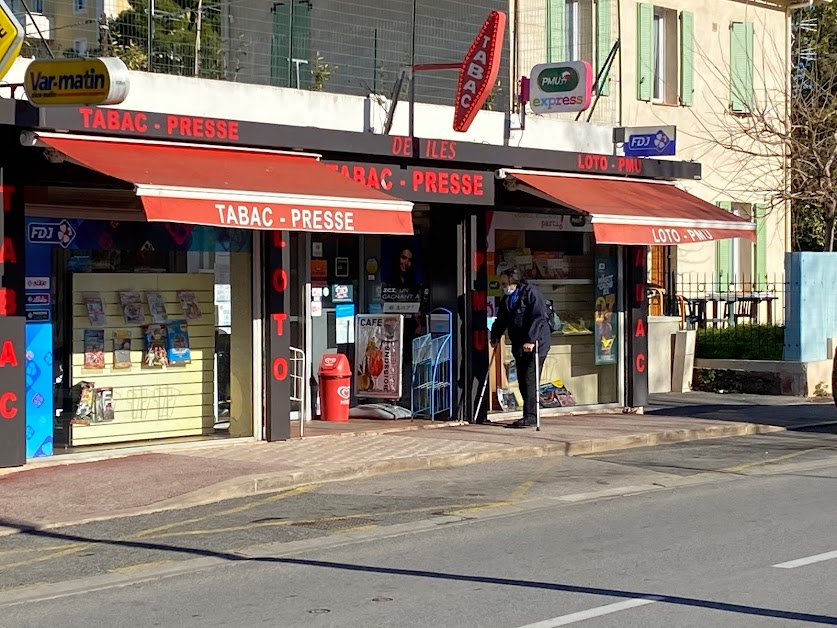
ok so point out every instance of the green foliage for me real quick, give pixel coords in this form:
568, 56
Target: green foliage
741, 342
175, 35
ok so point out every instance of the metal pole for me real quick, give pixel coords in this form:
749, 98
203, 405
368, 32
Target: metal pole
413, 76
150, 36
537, 390
198, 21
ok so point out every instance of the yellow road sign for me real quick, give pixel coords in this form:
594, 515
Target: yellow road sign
11, 38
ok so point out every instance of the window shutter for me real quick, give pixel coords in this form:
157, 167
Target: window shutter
645, 51
723, 257
556, 47
687, 57
301, 44
742, 70
280, 45
761, 247
604, 42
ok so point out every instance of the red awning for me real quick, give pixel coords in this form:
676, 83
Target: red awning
247, 188
628, 211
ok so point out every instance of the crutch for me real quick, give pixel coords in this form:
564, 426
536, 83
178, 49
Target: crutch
537, 390
485, 383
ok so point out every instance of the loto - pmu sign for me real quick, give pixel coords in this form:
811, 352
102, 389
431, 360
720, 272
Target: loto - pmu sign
51, 82
561, 87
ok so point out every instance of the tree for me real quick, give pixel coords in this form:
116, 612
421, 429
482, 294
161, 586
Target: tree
784, 142
180, 28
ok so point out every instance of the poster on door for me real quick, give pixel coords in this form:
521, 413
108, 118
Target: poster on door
378, 356
606, 321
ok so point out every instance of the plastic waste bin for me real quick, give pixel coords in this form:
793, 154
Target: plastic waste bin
335, 387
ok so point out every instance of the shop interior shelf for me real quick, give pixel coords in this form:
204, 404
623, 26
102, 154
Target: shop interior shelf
561, 282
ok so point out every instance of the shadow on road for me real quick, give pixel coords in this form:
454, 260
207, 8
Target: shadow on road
437, 575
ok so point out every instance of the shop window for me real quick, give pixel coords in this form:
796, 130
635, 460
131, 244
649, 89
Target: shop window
152, 333
80, 6
561, 261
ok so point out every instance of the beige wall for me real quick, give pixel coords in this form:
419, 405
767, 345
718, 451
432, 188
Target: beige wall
705, 128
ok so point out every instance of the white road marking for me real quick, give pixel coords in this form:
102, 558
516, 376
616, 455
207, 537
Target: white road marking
810, 560
565, 620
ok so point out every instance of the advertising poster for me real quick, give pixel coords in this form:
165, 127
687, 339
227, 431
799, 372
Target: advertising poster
40, 376
401, 274
179, 351
378, 356
606, 327
94, 348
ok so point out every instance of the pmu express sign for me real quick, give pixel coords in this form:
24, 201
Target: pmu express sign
561, 87
479, 71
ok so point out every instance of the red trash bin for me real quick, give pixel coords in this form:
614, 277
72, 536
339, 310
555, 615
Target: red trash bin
335, 387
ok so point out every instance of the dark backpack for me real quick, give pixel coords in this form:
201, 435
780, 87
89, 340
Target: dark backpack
552, 317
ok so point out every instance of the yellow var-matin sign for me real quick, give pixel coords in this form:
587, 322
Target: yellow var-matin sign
101, 81
11, 38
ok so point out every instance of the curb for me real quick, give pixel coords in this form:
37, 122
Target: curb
253, 485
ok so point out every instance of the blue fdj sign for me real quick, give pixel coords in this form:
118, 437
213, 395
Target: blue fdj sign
650, 145
61, 233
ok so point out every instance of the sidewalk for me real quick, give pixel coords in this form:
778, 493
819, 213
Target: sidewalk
69, 489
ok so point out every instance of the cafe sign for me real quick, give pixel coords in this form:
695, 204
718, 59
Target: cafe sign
95, 81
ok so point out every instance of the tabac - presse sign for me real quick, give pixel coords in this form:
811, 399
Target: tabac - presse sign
99, 81
561, 87
11, 38
479, 71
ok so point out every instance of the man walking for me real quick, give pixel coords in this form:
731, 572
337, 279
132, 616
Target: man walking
524, 314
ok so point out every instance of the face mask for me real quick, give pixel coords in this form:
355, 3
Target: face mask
509, 290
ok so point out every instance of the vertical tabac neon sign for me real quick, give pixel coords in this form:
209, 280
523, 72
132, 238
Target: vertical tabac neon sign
479, 70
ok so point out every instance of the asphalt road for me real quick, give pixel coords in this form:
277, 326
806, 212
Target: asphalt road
685, 535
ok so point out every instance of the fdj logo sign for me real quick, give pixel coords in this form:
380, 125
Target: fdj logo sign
560, 79
61, 233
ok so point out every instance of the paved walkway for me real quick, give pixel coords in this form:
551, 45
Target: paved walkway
72, 489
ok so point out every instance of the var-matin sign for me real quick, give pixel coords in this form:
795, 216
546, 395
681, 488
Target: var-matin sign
51, 82
11, 38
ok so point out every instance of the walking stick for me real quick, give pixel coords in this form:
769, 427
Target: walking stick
485, 384
537, 391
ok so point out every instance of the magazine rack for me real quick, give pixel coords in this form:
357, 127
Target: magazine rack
432, 376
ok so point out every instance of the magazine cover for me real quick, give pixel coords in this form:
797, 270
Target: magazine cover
157, 307
121, 348
191, 309
95, 308
94, 348
179, 352
156, 352
131, 303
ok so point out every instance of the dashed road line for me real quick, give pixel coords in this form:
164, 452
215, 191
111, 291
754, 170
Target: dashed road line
809, 560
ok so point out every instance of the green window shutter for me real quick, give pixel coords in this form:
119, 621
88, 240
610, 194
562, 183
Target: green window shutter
604, 42
742, 68
556, 47
301, 44
723, 257
687, 58
644, 51
280, 45
761, 247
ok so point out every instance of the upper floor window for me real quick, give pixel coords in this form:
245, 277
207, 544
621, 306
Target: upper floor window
665, 65
80, 6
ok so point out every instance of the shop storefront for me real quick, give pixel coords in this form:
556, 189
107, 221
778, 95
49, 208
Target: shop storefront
181, 283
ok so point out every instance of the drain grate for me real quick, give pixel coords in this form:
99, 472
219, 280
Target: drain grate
336, 524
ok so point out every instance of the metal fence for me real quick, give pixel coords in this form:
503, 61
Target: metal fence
356, 47
735, 318
342, 46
